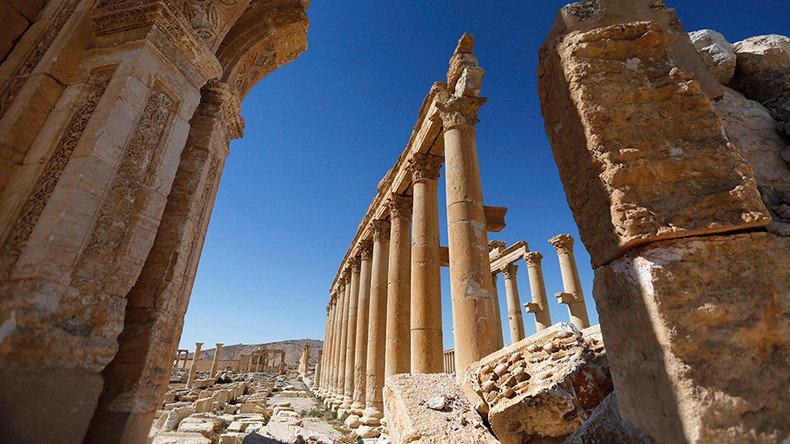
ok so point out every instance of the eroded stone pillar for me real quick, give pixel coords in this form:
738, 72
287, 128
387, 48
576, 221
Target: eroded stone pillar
377, 330
577, 308
514, 317
351, 339
193, 367
475, 328
426, 290
398, 348
217, 358
539, 305
362, 326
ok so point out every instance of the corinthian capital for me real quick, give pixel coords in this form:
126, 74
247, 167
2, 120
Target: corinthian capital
457, 111
563, 243
354, 264
366, 249
533, 258
381, 230
399, 206
509, 271
424, 167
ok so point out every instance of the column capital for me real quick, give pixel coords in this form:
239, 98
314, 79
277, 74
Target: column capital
456, 111
366, 249
509, 271
533, 258
219, 344
381, 230
494, 244
563, 243
424, 167
198, 344
353, 264
399, 206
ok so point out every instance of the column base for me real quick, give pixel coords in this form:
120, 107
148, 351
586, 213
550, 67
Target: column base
366, 431
372, 417
353, 421
357, 408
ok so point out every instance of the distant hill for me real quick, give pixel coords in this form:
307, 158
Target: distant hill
292, 347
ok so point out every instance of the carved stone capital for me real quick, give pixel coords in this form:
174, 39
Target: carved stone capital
399, 206
563, 243
494, 244
509, 271
381, 230
533, 258
366, 250
455, 111
424, 167
220, 103
353, 263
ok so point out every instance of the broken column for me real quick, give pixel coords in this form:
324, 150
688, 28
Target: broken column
475, 328
514, 317
426, 289
217, 357
539, 305
670, 214
193, 367
573, 296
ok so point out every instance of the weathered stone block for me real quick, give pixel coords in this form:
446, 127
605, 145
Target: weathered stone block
180, 438
606, 426
542, 387
763, 73
411, 418
697, 337
716, 52
641, 153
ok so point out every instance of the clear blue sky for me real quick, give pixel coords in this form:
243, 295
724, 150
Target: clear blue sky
323, 130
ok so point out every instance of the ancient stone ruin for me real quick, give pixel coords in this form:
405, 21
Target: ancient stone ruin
672, 147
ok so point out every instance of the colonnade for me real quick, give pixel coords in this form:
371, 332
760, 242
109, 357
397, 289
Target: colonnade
384, 315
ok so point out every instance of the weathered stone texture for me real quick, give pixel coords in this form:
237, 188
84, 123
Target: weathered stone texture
642, 155
606, 426
716, 52
763, 74
431, 408
542, 387
752, 130
702, 354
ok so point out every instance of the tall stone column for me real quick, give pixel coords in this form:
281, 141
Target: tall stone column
377, 331
426, 290
342, 349
193, 367
500, 339
362, 325
398, 348
539, 305
341, 296
474, 301
216, 360
351, 339
321, 382
317, 375
577, 308
514, 317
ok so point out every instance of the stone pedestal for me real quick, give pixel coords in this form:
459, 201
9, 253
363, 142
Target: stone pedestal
377, 330
514, 316
398, 348
426, 290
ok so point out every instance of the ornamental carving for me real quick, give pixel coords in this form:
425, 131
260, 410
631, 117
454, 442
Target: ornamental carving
354, 264
424, 167
533, 258
34, 55
399, 206
53, 170
381, 230
203, 16
563, 243
366, 250
126, 197
457, 111
509, 271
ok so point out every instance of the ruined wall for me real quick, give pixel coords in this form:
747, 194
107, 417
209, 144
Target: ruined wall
689, 285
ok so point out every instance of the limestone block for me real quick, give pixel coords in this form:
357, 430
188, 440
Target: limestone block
631, 173
716, 52
231, 438
172, 418
763, 73
207, 427
180, 438
411, 420
697, 337
752, 130
542, 387
606, 426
